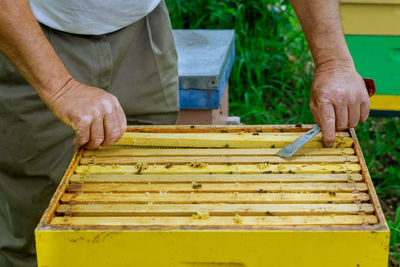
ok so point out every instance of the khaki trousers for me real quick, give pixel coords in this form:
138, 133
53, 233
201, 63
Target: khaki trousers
138, 64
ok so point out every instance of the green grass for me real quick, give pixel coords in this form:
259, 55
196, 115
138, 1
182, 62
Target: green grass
270, 82
380, 140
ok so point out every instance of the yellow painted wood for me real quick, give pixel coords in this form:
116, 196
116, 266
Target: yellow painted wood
165, 197
214, 178
221, 169
108, 210
217, 160
219, 220
235, 248
214, 187
218, 128
371, 2
385, 102
220, 140
317, 209
370, 17
127, 152
298, 134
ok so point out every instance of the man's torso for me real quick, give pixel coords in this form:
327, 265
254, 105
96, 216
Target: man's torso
90, 16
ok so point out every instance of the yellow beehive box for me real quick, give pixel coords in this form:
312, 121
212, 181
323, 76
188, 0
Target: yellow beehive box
370, 17
372, 31
215, 196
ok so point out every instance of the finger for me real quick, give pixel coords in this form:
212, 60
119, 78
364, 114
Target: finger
342, 117
82, 129
120, 114
112, 129
314, 111
122, 119
327, 116
96, 133
364, 110
354, 115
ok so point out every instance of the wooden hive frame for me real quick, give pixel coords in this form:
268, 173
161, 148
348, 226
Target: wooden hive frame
219, 185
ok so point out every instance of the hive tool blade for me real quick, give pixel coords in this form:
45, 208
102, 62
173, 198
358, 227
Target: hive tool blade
289, 150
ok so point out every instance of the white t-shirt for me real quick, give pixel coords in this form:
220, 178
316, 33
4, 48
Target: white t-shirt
90, 16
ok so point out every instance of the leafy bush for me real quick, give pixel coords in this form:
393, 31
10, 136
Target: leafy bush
272, 71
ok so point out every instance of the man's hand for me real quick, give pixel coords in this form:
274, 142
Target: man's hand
95, 115
339, 99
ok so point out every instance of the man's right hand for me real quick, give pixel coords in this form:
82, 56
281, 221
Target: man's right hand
95, 115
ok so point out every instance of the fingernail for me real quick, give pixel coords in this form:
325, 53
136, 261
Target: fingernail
329, 144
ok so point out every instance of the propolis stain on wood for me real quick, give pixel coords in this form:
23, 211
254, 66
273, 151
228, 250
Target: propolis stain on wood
215, 196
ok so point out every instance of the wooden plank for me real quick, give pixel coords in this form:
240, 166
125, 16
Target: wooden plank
221, 128
298, 134
221, 169
371, 19
220, 140
218, 128
49, 212
213, 178
212, 209
386, 102
370, 2
165, 197
217, 160
368, 181
218, 221
108, 151
213, 187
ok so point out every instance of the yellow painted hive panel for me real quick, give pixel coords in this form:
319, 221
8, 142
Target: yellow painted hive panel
370, 17
218, 185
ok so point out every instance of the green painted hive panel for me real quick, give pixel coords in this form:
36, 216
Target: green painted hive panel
378, 58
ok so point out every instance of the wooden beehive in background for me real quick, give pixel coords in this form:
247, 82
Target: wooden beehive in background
215, 196
372, 31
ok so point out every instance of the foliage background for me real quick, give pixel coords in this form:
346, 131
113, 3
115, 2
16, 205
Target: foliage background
270, 82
